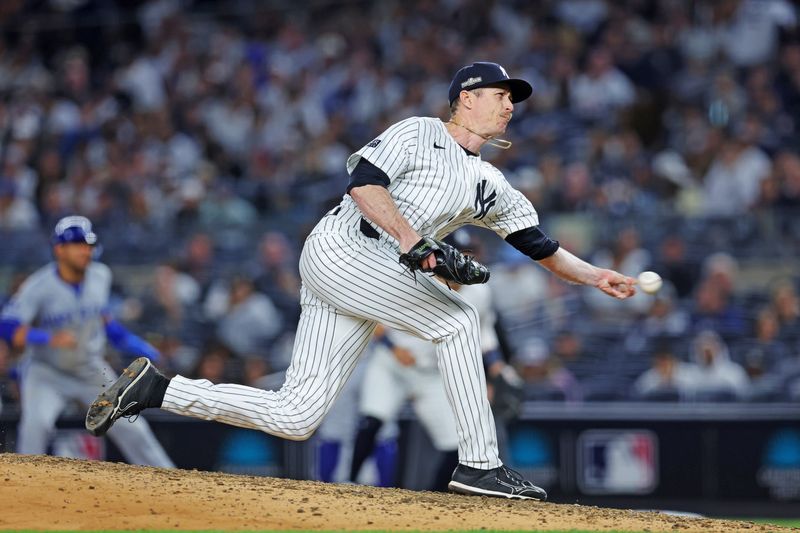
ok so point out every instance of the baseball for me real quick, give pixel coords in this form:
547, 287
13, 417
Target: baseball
649, 282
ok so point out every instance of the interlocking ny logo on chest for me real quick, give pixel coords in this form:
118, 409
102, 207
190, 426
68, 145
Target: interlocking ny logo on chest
484, 200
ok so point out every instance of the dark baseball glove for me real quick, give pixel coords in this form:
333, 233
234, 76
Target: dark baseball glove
451, 264
508, 394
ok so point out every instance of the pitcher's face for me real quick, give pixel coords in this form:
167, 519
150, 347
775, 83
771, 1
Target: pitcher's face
493, 109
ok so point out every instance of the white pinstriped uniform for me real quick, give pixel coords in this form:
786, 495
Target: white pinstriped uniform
388, 385
351, 282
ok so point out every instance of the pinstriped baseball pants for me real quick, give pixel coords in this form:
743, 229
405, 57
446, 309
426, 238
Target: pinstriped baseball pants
351, 283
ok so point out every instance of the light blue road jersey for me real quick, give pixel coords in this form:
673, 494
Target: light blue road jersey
47, 302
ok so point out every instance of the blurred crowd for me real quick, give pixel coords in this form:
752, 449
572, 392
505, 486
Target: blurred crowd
205, 138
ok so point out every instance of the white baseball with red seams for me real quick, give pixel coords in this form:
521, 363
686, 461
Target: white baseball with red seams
650, 282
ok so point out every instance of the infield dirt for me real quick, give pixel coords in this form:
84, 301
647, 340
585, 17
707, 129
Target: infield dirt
49, 493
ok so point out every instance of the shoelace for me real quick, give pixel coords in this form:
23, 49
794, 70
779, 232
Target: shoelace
515, 476
130, 417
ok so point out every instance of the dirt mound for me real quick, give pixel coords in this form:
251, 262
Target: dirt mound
40, 492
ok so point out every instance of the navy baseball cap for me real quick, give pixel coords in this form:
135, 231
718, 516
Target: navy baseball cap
483, 74
74, 228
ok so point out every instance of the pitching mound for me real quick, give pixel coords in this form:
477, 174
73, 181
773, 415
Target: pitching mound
43, 493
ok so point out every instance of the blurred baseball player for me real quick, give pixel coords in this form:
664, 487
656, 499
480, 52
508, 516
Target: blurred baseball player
60, 318
403, 368
421, 178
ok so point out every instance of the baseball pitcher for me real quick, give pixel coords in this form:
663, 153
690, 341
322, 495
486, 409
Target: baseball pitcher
367, 262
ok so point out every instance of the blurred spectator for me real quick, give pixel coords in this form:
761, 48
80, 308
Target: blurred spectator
677, 181
223, 209
715, 306
213, 365
627, 256
764, 353
16, 212
715, 309
250, 322
584, 15
601, 89
731, 186
788, 77
198, 261
275, 274
721, 269
787, 174
714, 375
545, 377
520, 285
568, 347
675, 265
669, 378
165, 304
575, 190
750, 28
726, 100
786, 304
254, 370
664, 319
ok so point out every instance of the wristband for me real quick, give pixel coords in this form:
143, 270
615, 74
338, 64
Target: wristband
386, 341
37, 336
492, 356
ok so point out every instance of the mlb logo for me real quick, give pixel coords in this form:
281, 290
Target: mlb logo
617, 461
77, 444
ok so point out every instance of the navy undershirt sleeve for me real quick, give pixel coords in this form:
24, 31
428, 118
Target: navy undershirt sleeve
533, 243
366, 173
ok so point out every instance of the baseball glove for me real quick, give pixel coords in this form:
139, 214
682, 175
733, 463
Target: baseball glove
451, 264
508, 394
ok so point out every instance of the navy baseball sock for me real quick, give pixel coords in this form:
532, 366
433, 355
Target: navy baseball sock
368, 428
158, 391
447, 464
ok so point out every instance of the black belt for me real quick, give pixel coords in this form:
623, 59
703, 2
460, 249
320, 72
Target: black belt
368, 230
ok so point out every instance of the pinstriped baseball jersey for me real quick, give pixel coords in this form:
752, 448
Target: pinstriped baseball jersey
352, 281
48, 302
437, 186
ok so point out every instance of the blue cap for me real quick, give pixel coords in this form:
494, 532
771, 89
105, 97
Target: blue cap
483, 74
74, 228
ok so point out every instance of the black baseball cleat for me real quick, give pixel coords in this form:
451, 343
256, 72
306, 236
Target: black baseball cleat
140, 386
500, 482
